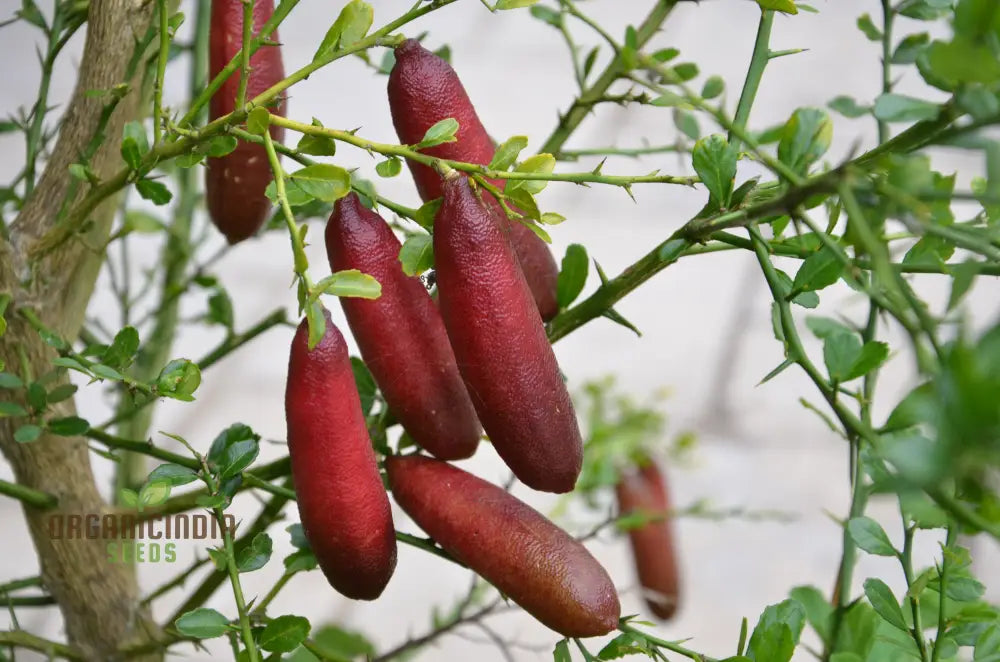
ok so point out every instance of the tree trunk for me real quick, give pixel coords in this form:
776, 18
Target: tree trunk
98, 598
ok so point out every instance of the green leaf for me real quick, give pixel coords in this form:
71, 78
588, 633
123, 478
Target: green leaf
667, 99
8, 409
221, 146
302, 560
514, 4
68, 426
351, 26
869, 536
389, 168
873, 354
256, 555
910, 47
715, 162
840, 353
211, 501
866, 25
572, 275
539, 163
317, 145
365, 382
550, 16
220, 309
786, 6
350, 283
61, 392
334, 643
891, 107
508, 151
425, 215
978, 101
284, 634
777, 632
123, 348
805, 138
106, 372
323, 181
142, 222
963, 276
155, 192
258, 121
237, 456
128, 497
687, 123
848, 107
623, 645
27, 433
189, 160
8, 380
36, 396
561, 652
442, 132
417, 254
172, 474
713, 87
522, 202
317, 323
818, 611
885, 603
824, 327
202, 623
963, 61
915, 408
821, 269
154, 493
179, 379
988, 645
134, 144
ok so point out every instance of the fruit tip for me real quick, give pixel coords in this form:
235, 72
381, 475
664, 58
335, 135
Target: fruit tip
408, 46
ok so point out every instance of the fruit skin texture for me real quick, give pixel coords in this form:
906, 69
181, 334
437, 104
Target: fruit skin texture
531, 560
235, 183
644, 490
342, 503
423, 90
401, 335
499, 340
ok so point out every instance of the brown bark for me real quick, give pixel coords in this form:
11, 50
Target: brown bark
98, 599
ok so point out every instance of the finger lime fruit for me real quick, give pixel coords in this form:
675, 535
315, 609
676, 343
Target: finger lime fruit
235, 183
342, 502
401, 335
642, 491
528, 558
423, 90
499, 340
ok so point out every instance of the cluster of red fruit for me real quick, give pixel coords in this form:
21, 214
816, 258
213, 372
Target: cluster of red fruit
477, 359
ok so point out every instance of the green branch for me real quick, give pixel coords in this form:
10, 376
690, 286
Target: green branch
570, 120
28, 496
28, 641
403, 151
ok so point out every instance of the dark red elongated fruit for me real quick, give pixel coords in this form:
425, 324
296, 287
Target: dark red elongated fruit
643, 490
342, 502
511, 545
499, 340
235, 183
401, 335
423, 90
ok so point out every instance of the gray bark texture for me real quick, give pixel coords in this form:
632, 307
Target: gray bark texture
98, 599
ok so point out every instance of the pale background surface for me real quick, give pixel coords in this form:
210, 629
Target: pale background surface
767, 453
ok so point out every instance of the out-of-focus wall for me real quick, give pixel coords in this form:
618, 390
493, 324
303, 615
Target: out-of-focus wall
705, 321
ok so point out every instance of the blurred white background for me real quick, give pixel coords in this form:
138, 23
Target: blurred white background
758, 449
